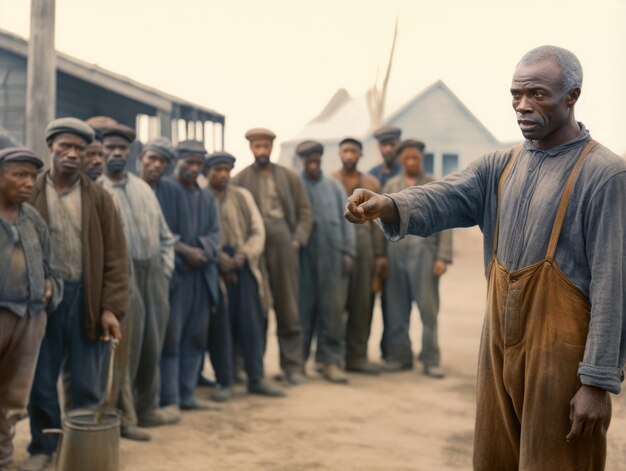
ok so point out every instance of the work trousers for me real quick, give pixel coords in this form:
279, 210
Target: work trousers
282, 266
242, 326
323, 293
64, 341
185, 337
153, 289
411, 279
20, 339
220, 344
359, 303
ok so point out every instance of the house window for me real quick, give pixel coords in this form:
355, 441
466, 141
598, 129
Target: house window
429, 163
450, 163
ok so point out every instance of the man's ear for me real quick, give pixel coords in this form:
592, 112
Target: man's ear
572, 96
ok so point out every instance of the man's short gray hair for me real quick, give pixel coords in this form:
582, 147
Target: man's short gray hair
571, 70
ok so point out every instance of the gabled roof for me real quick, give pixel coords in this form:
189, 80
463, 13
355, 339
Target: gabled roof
349, 116
120, 84
439, 84
345, 117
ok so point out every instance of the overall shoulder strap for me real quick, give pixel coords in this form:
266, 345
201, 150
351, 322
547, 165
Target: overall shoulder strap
564, 202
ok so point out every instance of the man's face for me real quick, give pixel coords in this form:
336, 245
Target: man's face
17, 180
93, 162
411, 159
188, 168
116, 151
313, 166
350, 153
219, 176
542, 107
388, 149
261, 149
153, 166
67, 152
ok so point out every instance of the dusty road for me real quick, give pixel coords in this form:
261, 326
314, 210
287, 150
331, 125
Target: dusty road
397, 422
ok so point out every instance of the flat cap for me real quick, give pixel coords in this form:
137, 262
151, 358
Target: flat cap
306, 148
351, 140
20, 154
97, 122
118, 130
220, 158
260, 133
72, 126
188, 148
410, 144
387, 132
160, 145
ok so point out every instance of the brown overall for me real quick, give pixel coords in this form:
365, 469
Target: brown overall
533, 338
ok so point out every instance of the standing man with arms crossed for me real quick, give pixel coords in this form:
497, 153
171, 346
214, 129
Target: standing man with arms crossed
552, 212
28, 288
286, 212
89, 254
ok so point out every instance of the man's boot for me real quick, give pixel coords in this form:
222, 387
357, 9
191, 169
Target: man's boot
334, 374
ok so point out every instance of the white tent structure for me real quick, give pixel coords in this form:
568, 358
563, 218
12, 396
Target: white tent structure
453, 135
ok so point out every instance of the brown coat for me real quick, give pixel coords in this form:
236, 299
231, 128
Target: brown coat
105, 259
292, 196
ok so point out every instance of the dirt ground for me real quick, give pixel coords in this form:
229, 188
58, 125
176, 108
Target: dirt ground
395, 422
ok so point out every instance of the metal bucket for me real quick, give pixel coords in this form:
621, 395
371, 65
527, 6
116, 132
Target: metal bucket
90, 439
87, 445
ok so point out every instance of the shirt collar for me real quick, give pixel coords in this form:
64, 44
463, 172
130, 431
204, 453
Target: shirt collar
580, 140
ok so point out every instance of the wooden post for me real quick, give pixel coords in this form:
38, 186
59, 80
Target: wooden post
41, 76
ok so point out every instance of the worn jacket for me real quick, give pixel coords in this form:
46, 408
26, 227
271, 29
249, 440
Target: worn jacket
292, 196
35, 240
237, 207
105, 258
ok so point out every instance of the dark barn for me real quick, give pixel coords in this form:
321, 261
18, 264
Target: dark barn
85, 90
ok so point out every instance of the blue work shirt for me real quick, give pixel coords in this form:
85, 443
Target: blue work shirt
591, 247
384, 177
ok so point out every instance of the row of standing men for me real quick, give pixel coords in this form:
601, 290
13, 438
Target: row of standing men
172, 269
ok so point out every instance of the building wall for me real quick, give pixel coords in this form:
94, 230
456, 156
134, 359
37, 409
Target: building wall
436, 118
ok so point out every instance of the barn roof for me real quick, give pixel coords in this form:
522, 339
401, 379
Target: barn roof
120, 84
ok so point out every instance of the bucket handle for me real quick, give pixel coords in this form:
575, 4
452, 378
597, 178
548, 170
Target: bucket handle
98, 417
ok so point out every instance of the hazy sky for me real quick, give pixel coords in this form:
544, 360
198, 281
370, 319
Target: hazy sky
275, 63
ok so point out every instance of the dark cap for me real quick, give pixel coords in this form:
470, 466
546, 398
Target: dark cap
387, 133
220, 158
351, 140
260, 133
306, 148
70, 125
118, 130
20, 154
160, 145
187, 148
410, 144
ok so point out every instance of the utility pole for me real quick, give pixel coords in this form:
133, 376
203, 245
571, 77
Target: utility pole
41, 76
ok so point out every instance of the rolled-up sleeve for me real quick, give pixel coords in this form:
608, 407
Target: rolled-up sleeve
605, 237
